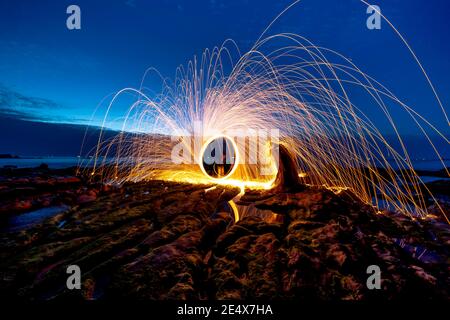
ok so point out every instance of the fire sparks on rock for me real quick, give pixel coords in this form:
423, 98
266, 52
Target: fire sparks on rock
302, 92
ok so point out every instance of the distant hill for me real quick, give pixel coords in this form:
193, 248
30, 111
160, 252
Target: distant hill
31, 138
8, 156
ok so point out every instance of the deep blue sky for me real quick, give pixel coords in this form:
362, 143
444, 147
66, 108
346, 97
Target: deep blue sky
50, 73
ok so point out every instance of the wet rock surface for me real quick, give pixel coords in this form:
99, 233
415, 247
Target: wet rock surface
160, 240
26, 189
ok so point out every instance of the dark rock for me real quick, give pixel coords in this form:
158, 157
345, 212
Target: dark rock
163, 240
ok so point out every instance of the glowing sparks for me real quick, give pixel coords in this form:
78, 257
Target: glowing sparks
235, 210
296, 89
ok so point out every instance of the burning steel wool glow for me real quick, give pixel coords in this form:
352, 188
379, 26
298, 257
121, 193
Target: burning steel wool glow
295, 95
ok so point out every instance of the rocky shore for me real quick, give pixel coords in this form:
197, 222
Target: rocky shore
27, 189
160, 240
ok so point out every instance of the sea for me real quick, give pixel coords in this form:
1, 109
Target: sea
33, 162
66, 162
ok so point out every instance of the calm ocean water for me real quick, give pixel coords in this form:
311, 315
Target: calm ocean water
26, 220
432, 165
53, 162
65, 162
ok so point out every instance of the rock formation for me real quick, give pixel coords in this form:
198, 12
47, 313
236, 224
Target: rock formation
160, 240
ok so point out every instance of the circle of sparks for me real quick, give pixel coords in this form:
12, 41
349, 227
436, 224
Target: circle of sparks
230, 148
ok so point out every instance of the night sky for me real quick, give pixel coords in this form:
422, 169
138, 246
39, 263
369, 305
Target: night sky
51, 74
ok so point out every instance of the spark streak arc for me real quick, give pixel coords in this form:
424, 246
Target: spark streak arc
301, 90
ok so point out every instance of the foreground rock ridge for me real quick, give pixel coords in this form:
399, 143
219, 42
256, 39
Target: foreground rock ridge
160, 240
